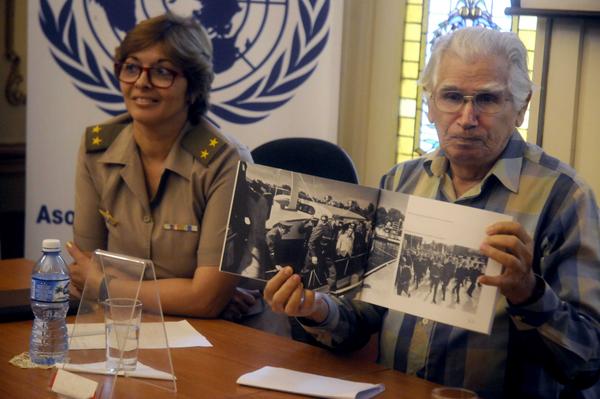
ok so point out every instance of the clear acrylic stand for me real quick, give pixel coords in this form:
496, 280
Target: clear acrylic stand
127, 280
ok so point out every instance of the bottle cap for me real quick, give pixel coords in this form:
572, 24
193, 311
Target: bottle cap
51, 244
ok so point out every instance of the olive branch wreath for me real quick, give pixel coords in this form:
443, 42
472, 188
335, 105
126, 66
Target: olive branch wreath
292, 68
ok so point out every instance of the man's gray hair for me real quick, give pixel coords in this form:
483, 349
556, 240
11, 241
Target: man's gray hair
471, 43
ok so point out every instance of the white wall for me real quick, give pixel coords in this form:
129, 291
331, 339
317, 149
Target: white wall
370, 85
572, 102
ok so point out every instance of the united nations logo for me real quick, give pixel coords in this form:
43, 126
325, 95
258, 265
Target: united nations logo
264, 49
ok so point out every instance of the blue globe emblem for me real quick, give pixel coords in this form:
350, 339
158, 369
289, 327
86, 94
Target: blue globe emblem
263, 49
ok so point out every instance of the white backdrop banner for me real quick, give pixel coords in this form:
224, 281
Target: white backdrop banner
277, 65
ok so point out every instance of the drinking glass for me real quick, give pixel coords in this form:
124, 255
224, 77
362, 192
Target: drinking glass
122, 317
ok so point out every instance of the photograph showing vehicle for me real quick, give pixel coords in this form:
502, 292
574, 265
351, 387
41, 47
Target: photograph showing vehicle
320, 227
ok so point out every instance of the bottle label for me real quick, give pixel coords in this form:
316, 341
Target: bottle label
50, 290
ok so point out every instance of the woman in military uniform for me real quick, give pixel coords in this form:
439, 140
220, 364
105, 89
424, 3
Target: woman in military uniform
156, 182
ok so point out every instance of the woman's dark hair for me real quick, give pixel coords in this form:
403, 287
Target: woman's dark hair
186, 44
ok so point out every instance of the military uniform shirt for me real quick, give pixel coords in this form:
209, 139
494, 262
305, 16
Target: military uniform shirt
183, 226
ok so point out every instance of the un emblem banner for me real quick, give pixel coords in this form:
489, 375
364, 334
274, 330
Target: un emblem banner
277, 66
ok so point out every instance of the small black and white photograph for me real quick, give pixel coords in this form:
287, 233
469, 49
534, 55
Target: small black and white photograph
320, 227
437, 263
438, 273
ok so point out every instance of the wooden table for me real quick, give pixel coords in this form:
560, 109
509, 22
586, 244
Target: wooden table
204, 372
15, 274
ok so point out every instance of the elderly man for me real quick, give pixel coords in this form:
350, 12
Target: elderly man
545, 340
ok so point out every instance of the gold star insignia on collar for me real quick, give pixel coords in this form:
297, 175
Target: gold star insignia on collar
213, 142
203, 154
100, 137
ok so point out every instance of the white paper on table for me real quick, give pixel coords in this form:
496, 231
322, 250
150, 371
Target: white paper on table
286, 380
73, 386
141, 370
180, 334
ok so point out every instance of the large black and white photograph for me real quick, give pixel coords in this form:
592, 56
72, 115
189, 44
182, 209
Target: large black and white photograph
320, 227
434, 273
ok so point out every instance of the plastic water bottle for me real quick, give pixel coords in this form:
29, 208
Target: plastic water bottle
49, 303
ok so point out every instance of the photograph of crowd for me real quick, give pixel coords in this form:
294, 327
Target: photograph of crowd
418, 264
320, 227
439, 273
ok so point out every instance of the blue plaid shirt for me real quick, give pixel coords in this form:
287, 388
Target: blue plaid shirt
546, 348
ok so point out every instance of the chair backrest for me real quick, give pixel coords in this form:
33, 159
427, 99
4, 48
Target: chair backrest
307, 155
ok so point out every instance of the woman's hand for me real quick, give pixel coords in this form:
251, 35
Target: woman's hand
510, 245
82, 269
285, 293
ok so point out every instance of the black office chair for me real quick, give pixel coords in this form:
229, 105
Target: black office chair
307, 155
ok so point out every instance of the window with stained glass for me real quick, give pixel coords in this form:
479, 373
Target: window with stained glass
424, 21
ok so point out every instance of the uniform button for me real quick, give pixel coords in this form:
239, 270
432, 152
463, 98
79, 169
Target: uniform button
147, 219
425, 321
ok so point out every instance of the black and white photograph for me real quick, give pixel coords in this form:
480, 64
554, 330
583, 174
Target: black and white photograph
320, 227
436, 264
439, 273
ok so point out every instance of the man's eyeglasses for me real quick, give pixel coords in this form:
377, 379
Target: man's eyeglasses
158, 76
485, 102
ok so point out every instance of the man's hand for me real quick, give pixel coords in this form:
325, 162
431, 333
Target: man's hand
510, 245
81, 269
241, 302
285, 293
